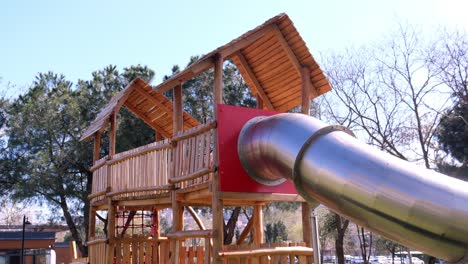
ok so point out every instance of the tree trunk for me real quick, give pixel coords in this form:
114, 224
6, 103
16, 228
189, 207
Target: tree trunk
71, 225
341, 226
339, 249
231, 226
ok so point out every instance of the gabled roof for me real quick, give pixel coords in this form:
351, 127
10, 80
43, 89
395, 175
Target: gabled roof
270, 58
149, 105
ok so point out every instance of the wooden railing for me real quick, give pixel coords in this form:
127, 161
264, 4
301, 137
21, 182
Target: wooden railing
193, 160
281, 253
100, 178
142, 171
142, 249
196, 253
97, 251
184, 162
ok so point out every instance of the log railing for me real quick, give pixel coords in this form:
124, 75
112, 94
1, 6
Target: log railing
281, 253
193, 160
194, 253
100, 180
142, 171
184, 161
97, 251
141, 249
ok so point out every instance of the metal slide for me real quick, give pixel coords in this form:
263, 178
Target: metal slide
416, 207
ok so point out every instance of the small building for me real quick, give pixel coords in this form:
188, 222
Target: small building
37, 247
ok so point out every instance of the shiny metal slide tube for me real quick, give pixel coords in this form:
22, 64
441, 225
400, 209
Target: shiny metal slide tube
416, 207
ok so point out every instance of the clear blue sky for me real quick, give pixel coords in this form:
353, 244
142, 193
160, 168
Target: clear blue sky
75, 38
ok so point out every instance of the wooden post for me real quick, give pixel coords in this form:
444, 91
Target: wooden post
259, 101
92, 211
258, 226
110, 232
92, 222
97, 147
156, 233
217, 203
306, 224
306, 87
178, 113
177, 208
112, 134
157, 136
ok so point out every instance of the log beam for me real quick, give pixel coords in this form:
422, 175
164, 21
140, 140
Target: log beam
217, 202
284, 44
251, 78
305, 91
97, 146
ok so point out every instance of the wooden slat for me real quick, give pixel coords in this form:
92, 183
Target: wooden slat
182, 235
251, 78
148, 120
288, 50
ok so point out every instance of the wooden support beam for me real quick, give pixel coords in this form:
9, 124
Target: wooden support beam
178, 117
258, 225
110, 233
305, 91
92, 222
306, 227
147, 120
154, 101
246, 41
131, 215
251, 78
259, 102
284, 44
112, 134
97, 146
195, 217
245, 232
185, 75
217, 204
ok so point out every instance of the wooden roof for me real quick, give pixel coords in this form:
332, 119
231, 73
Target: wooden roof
151, 106
270, 58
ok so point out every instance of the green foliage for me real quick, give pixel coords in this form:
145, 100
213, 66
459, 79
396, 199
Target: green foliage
452, 132
276, 232
44, 159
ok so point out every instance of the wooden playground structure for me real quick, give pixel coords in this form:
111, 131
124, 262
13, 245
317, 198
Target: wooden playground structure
181, 168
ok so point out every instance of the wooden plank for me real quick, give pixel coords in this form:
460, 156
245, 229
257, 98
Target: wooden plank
288, 50
97, 147
259, 197
155, 101
178, 111
250, 76
182, 235
217, 204
245, 232
194, 131
112, 134
293, 250
307, 228
185, 75
196, 217
305, 91
258, 225
264, 50
192, 176
148, 121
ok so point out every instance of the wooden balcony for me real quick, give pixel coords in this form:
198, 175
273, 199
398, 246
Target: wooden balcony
153, 170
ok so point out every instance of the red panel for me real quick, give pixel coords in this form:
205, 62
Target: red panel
232, 177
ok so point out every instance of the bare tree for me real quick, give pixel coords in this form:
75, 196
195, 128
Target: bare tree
390, 94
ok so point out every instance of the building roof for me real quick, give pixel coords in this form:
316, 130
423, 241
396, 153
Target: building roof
150, 105
270, 58
27, 235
